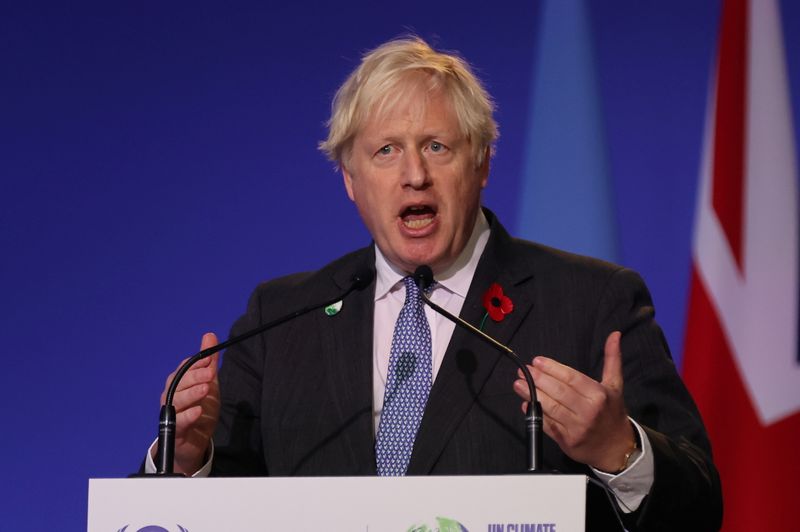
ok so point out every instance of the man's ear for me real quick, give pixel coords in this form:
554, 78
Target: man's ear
348, 183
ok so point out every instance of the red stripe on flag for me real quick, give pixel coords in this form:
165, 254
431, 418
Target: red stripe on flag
729, 124
759, 466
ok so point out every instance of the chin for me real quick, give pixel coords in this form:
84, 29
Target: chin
426, 253
435, 264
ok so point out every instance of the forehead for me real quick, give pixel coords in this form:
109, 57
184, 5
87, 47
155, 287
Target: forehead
412, 103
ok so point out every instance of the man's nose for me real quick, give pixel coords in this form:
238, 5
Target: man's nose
416, 170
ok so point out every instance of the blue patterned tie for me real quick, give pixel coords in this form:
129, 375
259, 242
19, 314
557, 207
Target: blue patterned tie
407, 386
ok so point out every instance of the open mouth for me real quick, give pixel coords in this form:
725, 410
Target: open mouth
418, 216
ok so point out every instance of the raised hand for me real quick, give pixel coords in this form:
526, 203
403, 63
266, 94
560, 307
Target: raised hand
196, 403
586, 418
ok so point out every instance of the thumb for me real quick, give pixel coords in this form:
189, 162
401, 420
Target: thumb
209, 340
612, 362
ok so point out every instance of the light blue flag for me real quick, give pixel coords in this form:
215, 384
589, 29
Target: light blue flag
566, 197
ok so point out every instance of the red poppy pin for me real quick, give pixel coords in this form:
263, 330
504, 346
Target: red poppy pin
496, 303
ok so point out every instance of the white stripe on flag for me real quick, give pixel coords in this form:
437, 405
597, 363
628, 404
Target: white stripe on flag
758, 310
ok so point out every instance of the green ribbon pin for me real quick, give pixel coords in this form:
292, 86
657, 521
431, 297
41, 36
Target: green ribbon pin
332, 310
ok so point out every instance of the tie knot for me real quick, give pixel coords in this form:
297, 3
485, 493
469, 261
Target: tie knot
412, 290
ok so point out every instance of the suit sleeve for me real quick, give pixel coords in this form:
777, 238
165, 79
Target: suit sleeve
686, 492
238, 439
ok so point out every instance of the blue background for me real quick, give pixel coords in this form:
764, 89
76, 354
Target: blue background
158, 160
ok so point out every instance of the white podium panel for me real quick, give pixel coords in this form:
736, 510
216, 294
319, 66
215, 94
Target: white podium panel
524, 503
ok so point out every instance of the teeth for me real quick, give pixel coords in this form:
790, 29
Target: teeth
416, 224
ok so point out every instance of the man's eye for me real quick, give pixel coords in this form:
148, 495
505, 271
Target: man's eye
437, 147
386, 150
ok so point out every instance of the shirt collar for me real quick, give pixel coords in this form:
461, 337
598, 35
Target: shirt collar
456, 278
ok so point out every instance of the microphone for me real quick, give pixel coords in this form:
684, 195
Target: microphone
166, 425
423, 277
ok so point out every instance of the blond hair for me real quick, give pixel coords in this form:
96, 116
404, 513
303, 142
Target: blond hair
373, 86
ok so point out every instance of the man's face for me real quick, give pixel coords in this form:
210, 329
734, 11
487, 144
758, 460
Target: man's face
412, 175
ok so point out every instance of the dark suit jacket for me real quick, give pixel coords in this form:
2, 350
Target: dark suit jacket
297, 400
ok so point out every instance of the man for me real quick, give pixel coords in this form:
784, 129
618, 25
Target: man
332, 394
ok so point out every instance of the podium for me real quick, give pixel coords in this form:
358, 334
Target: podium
511, 503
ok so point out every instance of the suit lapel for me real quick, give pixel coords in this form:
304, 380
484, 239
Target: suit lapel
469, 361
349, 365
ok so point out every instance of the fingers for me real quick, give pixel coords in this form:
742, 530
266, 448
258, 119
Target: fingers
190, 396
551, 427
558, 373
562, 381
612, 362
195, 383
188, 416
521, 385
565, 410
566, 386
202, 372
191, 415
571, 400
560, 403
